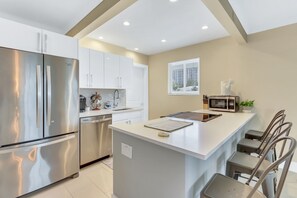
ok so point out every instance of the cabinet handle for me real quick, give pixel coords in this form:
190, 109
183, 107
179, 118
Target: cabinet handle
45, 43
87, 80
121, 82
91, 81
39, 47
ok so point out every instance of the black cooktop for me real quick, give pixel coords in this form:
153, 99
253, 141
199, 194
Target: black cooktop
203, 117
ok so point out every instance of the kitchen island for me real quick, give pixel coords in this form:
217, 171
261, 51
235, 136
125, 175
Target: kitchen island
178, 166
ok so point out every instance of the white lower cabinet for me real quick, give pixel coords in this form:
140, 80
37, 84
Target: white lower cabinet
127, 117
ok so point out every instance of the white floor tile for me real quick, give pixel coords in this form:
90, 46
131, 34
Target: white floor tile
102, 177
58, 191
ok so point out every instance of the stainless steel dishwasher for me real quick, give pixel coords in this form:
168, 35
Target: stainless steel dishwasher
95, 138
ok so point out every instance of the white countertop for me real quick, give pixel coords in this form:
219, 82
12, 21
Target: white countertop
200, 140
108, 111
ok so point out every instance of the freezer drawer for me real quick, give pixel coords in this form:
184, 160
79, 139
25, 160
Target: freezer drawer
31, 166
95, 138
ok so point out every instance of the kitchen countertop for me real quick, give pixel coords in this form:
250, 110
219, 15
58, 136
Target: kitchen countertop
108, 111
200, 140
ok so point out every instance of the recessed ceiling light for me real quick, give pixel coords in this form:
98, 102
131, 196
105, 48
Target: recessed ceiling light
163, 41
126, 23
100, 37
136, 49
205, 27
173, 1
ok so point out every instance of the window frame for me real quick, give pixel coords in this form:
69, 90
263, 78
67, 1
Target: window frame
184, 63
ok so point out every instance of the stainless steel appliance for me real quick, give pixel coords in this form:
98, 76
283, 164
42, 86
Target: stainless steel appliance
197, 116
95, 138
82, 103
39, 116
223, 103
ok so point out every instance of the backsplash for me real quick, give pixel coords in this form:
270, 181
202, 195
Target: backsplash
106, 94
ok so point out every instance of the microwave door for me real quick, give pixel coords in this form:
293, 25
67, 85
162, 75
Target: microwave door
21, 104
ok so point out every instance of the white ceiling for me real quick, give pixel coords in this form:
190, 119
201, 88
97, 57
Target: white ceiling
55, 15
153, 20
260, 15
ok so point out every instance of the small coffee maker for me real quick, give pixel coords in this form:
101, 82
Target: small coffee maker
82, 103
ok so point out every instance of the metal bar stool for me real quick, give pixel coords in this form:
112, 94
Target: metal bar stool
256, 146
243, 163
259, 135
220, 186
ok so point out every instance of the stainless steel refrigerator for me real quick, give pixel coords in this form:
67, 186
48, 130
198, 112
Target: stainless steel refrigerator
39, 116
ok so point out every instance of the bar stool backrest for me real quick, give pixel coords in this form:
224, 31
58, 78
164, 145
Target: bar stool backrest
275, 119
282, 130
274, 130
287, 158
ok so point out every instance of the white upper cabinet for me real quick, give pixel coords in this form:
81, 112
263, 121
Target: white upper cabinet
96, 69
59, 45
23, 37
91, 68
125, 72
84, 67
111, 70
118, 71
19, 36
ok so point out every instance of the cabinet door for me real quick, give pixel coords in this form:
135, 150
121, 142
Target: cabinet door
59, 45
111, 70
96, 69
84, 67
125, 72
19, 36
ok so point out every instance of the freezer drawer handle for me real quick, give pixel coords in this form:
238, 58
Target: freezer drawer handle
38, 94
95, 121
37, 145
49, 94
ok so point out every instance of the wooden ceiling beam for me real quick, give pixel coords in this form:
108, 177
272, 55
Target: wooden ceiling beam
98, 16
225, 14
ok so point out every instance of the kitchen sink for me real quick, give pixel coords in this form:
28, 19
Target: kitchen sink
121, 109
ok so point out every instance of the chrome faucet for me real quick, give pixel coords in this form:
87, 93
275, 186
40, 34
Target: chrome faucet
116, 96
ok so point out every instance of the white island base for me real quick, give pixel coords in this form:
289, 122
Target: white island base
163, 168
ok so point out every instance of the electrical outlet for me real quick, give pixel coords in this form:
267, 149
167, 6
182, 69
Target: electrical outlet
126, 150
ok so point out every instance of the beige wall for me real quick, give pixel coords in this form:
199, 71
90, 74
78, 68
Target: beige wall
105, 47
264, 69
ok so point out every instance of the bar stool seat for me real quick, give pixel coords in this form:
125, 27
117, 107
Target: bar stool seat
256, 146
226, 187
244, 163
248, 146
254, 134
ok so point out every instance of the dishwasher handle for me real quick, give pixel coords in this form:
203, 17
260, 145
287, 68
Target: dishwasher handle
95, 121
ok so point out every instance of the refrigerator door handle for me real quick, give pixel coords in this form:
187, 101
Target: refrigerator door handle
49, 94
36, 145
38, 94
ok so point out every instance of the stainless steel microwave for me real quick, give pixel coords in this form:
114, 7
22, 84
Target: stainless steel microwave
223, 103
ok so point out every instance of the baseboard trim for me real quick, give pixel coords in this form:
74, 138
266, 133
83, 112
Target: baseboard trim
293, 167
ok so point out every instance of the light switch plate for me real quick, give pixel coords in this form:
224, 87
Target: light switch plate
126, 150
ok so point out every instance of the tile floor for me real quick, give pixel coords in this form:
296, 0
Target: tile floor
95, 181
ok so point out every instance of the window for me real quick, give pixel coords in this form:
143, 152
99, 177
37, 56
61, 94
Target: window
183, 77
